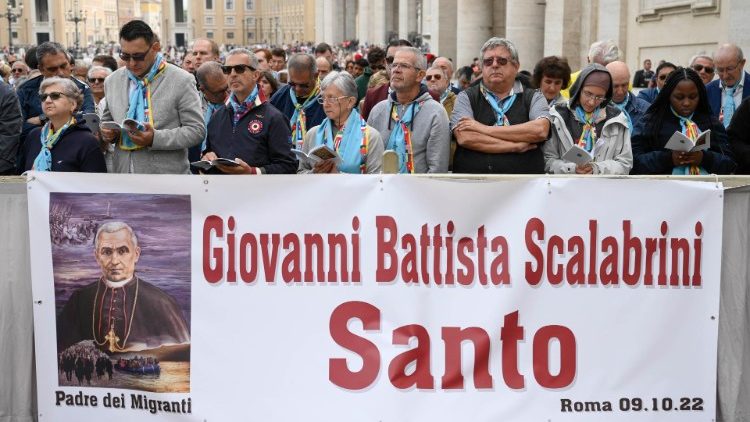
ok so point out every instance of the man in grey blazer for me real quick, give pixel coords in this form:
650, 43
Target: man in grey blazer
162, 97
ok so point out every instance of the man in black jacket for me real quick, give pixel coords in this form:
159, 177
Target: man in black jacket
10, 129
643, 76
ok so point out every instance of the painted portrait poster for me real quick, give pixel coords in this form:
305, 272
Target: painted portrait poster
121, 267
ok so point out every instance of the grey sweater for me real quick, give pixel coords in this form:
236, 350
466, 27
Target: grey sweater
430, 136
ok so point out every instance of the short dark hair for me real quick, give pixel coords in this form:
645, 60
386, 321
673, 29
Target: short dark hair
376, 55
49, 48
107, 61
399, 43
663, 65
278, 52
362, 62
30, 58
135, 29
552, 67
323, 48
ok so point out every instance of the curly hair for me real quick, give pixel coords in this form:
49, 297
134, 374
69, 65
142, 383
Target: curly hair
551, 67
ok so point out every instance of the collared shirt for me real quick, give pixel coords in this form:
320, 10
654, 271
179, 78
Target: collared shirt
462, 108
738, 90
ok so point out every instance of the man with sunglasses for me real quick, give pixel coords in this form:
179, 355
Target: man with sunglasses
498, 123
53, 61
18, 71
248, 130
726, 93
704, 65
376, 60
298, 99
161, 97
662, 72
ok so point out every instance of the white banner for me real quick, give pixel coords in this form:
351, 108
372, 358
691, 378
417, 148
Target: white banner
336, 298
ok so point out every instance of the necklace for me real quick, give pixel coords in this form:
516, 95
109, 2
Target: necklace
111, 336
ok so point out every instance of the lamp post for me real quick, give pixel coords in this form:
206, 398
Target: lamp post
76, 15
12, 14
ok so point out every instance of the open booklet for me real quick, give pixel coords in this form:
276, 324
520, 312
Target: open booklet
578, 156
206, 165
317, 154
127, 124
680, 142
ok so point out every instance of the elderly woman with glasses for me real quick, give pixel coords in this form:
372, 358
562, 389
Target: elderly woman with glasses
63, 143
358, 145
681, 106
589, 121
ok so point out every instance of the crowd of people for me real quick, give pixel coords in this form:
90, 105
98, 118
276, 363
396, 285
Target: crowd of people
256, 111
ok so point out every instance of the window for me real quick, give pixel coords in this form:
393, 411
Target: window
229, 4
42, 11
249, 4
208, 20
230, 35
210, 35
251, 35
250, 22
180, 14
229, 20
209, 4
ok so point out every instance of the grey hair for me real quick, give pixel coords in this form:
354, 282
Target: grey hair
49, 48
701, 55
420, 60
209, 70
114, 227
737, 50
302, 62
496, 42
98, 69
248, 53
69, 88
341, 80
605, 50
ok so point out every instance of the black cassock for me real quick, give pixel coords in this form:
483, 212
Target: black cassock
146, 320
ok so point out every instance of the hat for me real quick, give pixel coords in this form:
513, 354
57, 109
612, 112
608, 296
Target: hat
598, 78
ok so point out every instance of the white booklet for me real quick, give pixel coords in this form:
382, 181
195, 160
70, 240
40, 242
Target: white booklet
127, 124
680, 142
578, 156
206, 165
317, 154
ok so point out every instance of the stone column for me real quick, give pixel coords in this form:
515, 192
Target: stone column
442, 25
475, 24
363, 21
378, 16
525, 28
350, 19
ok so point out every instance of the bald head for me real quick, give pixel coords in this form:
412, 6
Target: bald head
620, 80
730, 64
445, 64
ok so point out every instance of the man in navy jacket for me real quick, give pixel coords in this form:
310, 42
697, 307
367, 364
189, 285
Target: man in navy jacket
726, 93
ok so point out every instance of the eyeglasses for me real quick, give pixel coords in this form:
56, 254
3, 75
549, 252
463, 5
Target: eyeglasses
435, 77
238, 69
589, 96
390, 59
403, 66
96, 80
699, 67
489, 61
296, 85
137, 57
331, 100
54, 95
17, 70
727, 69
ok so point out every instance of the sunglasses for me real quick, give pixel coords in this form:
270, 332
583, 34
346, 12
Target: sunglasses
17, 70
96, 80
238, 69
489, 61
390, 59
54, 95
137, 57
296, 85
664, 76
699, 67
435, 77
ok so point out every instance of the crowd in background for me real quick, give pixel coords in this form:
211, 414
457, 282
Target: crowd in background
140, 107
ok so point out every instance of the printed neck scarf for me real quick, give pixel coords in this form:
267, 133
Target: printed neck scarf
588, 135
241, 109
140, 100
500, 106
350, 142
729, 106
210, 110
622, 106
49, 139
299, 119
691, 130
400, 139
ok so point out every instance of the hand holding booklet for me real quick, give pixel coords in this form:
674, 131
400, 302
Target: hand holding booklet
680, 142
207, 165
317, 154
129, 125
578, 156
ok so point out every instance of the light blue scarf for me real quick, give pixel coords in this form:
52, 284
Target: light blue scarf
400, 139
350, 147
140, 100
500, 106
210, 110
43, 161
622, 106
